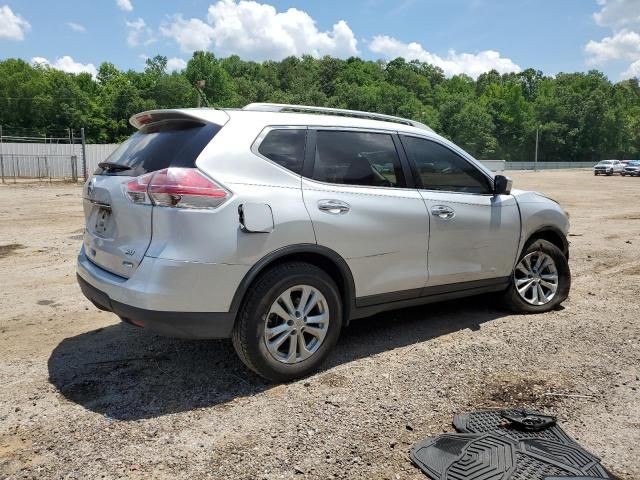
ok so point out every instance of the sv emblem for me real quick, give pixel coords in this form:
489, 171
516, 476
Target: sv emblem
129, 252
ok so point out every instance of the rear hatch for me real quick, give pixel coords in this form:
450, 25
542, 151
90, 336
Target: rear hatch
118, 230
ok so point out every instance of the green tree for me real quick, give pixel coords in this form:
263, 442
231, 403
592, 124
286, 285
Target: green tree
580, 116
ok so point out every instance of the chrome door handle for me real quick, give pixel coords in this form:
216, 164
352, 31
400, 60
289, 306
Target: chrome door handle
335, 207
443, 212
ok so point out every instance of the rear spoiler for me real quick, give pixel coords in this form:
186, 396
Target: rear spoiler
202, 116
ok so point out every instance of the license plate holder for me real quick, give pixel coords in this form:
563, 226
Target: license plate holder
102, 220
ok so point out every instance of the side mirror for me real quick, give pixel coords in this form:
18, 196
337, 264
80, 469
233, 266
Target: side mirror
502, 185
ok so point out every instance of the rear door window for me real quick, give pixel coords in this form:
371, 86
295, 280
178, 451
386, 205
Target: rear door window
164, 144
285, 147
357, 158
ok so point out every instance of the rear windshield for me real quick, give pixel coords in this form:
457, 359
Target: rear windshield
169, 143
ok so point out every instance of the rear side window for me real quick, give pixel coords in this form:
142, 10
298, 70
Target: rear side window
442, 169
285, 147
357, 158
164, 144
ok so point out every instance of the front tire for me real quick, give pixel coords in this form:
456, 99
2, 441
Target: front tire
541, 280
289, 322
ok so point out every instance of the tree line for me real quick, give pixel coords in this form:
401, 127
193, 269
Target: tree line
579, 116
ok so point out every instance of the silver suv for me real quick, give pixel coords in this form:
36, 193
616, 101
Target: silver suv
276, 225
608, 167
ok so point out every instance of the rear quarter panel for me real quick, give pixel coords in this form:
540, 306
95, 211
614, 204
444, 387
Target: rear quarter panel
216, 236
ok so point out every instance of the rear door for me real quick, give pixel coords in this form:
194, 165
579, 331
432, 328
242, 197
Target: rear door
474, 234
118, 231
360, 206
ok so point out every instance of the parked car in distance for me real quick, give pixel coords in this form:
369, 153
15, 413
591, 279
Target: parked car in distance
608, 167
276, 225
632, 169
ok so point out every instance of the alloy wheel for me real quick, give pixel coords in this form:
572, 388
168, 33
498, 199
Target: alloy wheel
296, 324
536, 278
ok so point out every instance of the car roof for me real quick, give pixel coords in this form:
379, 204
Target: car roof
220, 115
326, 120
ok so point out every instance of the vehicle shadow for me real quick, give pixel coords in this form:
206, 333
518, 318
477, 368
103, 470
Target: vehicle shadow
128, 374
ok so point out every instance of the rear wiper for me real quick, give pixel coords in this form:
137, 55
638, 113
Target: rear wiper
113, 167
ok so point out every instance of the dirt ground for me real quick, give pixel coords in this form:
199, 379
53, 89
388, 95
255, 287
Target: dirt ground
84, 396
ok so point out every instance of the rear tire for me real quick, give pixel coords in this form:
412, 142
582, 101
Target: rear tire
272, 316
538, 279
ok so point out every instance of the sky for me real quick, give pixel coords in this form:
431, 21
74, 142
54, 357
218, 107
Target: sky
460, 36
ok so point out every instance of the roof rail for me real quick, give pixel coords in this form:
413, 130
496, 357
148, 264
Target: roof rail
281, 107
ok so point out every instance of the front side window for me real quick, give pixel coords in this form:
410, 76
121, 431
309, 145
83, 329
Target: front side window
357, 158
442, 169
285, 147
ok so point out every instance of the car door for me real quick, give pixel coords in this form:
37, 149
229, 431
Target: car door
474, 234
355, 191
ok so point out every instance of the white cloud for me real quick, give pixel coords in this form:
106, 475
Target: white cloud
633, 70
35, 61
124, 5
192, 34
453, 64
76, 27
139, 33
176, 64
618, 13
66, 64
258, 31
12, 25
623, 45
621, 16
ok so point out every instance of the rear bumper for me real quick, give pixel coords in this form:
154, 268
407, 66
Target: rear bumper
176, 299
171, 324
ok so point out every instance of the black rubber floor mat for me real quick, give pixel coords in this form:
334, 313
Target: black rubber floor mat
493, 456
492, 421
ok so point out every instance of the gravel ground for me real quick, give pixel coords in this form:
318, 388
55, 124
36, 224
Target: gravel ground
83, 396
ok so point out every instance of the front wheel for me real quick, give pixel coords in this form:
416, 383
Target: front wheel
541, 280
289, 322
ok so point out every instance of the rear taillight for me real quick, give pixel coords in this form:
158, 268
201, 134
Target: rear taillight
177, 187
136, 189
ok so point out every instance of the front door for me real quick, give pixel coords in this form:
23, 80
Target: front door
474, 234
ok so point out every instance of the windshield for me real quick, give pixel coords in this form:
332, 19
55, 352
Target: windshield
634, 163
606, 162
168, 143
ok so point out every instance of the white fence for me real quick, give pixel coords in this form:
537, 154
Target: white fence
97, 153
494, 165
40, 160
546, 165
